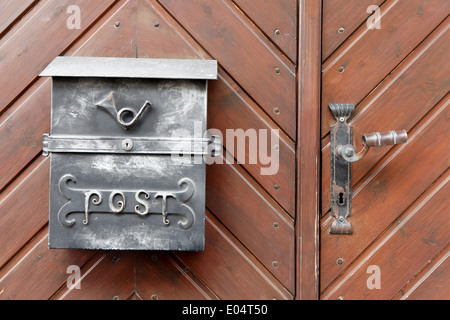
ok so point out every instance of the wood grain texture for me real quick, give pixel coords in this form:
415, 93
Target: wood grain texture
44, 36
238, 202
20, 219
340, 19
383, 197
229, 269
384, 48
398, 78
416, 237
229, 108
277, 18
160, 277
398, 103
109, 275
244, 53
132, 28
11, 11
39, 272
432, 283
308, 151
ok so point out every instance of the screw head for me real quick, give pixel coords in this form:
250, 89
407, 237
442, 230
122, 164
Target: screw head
116, 24
341, 69
275, 264
277, 187
340, 261
277, 32
349, 153
276, 225
341, 30
276, 110
277, 71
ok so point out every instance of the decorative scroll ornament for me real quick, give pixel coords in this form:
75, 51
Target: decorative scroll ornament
141, 202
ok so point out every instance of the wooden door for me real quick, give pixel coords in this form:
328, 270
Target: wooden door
397, 74
253, 249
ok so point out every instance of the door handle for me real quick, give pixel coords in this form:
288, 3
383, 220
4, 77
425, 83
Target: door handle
343, 154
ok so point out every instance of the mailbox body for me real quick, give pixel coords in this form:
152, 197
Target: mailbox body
119, 186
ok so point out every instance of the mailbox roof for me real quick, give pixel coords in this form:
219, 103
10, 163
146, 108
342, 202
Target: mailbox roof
131, 68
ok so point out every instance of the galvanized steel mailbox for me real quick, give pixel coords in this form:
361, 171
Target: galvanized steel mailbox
124, 144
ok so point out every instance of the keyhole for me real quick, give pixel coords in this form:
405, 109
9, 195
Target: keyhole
127, 144
341, 200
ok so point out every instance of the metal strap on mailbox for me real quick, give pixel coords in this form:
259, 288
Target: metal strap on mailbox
120, 145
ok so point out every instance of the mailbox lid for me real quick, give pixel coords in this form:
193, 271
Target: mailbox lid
131, 68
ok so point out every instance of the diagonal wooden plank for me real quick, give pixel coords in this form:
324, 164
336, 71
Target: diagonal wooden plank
110, 276
278, 20
340, 19
411, 91
24, 211
45, 35
22, 128
415, 238
244, 53
230, 109
259, 223
229, 269
39, 272
432, 283
349, 74
11, 11
416, 164
160, 277
158, 36
113, 36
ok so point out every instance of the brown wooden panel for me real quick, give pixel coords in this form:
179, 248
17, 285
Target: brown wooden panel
433, 283
38, 41
243, 52
278, 20
383, 196
159, 36
407, 246
40, 272
340, 19
256, 220
24, 211
12, 10
160, 277
308, 151
22, 128
229, 108
108, 276
383, 48
229, 269
416, 85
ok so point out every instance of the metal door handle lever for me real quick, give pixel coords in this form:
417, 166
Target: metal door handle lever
343, 154
376, 139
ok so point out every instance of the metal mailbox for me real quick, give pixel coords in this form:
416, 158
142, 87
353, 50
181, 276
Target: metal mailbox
125, 142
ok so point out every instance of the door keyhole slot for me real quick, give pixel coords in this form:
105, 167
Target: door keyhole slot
341, 200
